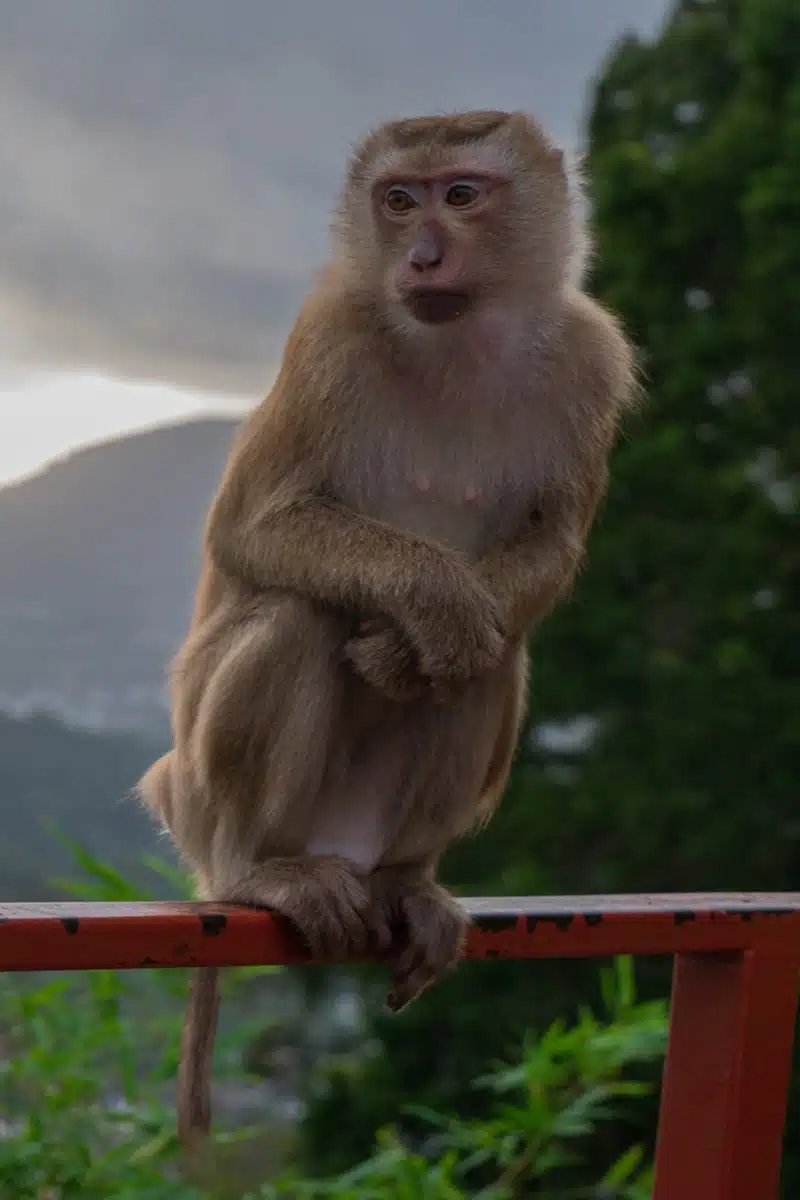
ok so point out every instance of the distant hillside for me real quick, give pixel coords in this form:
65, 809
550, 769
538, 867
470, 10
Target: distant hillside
98, 558
81, 782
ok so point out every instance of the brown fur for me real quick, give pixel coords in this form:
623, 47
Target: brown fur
405, 506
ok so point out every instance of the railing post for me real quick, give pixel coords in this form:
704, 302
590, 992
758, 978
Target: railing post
723, 1101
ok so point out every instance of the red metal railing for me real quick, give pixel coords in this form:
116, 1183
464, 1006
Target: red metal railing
733, 1006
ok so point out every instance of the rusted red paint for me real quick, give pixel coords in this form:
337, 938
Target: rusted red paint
723, 1102
83, 936
732, 1015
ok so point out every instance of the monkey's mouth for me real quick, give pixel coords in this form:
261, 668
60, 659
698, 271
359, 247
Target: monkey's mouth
437, 307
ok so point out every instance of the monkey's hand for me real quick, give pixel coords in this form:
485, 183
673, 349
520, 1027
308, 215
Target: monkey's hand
457, 632
382, 656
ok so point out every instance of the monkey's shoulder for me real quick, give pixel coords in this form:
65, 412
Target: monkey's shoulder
334, 343
596, 352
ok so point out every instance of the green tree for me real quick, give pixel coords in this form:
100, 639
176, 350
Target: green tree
547, 1108
678, 657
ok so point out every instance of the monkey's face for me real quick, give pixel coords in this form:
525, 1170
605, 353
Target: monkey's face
441, 234
443, 218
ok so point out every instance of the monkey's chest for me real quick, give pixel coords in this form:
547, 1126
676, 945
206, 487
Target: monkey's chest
457, 476
463, 511
462, 524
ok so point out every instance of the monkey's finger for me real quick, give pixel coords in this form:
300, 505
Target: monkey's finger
380, 932
373, 639
374, 625
334, 940
389, 671
311, 934
409, 982
349, 930
333, 930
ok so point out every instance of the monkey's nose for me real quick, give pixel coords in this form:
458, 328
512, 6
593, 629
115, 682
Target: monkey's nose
425, 261
427, 250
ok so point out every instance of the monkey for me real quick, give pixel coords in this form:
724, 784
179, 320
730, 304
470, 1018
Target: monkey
408, 504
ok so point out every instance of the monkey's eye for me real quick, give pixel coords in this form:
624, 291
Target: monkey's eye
399, 200
461, 195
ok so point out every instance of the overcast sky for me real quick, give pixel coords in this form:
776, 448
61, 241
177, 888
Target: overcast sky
167, 169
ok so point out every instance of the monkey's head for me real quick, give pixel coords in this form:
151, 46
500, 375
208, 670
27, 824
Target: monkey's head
442, 217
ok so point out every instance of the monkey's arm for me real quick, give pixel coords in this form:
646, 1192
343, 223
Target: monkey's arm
530, 574
311, 544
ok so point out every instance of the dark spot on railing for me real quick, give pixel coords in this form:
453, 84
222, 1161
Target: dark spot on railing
495, 923
71, 924
561, 921
213, 923
747, 914
593, 918
683, 915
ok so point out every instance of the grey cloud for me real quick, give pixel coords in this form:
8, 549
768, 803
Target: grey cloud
166, 169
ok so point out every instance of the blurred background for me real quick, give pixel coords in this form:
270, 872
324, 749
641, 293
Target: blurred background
166, 174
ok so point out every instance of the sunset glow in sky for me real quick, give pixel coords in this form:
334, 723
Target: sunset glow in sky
167, 174
44, 418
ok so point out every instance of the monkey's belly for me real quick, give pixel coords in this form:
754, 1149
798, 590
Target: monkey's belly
354, 831
354, 818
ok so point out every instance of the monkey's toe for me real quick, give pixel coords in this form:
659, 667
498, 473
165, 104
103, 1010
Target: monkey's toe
323, 899
436, 930
332, 919
380, 923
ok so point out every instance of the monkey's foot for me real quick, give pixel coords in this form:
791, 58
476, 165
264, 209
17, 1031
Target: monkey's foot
321, 896
432, 927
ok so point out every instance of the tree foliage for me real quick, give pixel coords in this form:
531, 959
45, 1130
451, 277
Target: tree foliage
678, 657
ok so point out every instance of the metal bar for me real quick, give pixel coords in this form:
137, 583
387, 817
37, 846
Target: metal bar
732, 1013
723, 1103
85, 936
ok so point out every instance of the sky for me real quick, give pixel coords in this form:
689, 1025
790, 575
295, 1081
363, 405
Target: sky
167, 171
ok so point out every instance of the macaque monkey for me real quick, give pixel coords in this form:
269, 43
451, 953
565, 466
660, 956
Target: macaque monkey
409, 502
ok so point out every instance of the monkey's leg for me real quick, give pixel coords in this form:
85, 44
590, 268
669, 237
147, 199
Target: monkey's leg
259, 755
472, 744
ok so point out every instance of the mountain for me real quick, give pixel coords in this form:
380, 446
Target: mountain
99, 555
78, 784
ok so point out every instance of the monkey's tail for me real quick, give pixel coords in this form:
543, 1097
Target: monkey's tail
194, 1072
